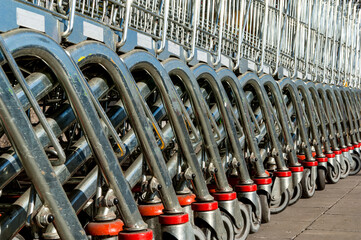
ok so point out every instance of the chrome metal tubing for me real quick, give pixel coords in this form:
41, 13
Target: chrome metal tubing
347, 130
36, 163
329, 116
289, 85
96, 53
205, 72
25, 42
10, 165
353, 129
177, 68
22, 82
266, 108
333, 104
140, 60
310, 112
228, 77
326, 136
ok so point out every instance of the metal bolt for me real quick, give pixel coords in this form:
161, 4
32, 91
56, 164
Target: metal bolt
50, 218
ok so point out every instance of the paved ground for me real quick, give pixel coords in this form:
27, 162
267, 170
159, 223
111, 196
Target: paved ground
334, 213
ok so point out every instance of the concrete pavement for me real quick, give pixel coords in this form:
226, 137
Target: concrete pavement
332, 214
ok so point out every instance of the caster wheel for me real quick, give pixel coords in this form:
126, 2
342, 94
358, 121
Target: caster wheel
333, 175
280, 204
355, 165
346, 170
308, 187
18, 237
242, 233
255, 220
296, 195
321, 179
198, 233
266, 213
228, 226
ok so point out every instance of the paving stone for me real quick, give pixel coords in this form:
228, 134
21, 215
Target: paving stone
299, 214
331, 214
328, 235
346, 206
281, 229
316, 202
344, 222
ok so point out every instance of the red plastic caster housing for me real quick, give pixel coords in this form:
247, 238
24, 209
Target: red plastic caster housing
139, 235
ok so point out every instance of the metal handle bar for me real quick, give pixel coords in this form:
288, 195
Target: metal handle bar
325, 56
236, 122
318, 42
188, 120
264, 37
59, 6
220, 32
213, 123
105, 118
20, 78
296, 46
346, 43
349, 61
165, 28
194, 31
334, 41
152, 121
241, 35
340, 55
126, 24
253, 117
356, 69
71, 16
20, 132
280, 33
308, 40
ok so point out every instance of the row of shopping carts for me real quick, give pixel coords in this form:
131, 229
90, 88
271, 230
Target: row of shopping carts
172, 119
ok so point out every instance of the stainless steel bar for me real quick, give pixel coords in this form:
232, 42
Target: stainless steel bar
164, 27
126, 24
100, 54
71, 17
172, 107
34, 159
177, 68
68, 75
20, 78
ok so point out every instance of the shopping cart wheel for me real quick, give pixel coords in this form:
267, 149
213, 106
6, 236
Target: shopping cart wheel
308, 187
18, 237
279, 204
345, 170
296, 194
242, 233
228, 225
321, 179
355, 164
266, 213
333, 174
255, 219
198, 233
